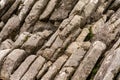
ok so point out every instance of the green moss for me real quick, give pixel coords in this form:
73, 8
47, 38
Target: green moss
90, 35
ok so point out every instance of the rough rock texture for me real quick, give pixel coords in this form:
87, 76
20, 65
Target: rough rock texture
59, 39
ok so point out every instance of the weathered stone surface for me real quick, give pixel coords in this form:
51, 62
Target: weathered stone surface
47, 53
7, 15
17, 75
2, 3
44, 69
54, 36
79, 7
35, 41
34, 69
118, 78
34, 15
65, 73
3, 54
75, 23
89, 61
70, 66
99, 25
41, 26
110, 29
49, 8
54, 68
75, 58
11, 26
7, 44
1, 25
74, 46
27, 5
89, 8
110, 66
12, 61
58, 42
70, 39
64, 7
21, 39
4, 6
65, 44
114, 67
116, 4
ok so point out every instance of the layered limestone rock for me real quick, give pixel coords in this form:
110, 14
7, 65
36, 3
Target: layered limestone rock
59, 39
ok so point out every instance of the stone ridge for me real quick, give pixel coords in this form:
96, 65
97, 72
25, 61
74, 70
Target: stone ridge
59, 39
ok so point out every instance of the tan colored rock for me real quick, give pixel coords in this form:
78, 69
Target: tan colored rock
70, 66
11, 26
4, 5
27, 5
17, 75
41, 26
75, 58
54, 69
7, 44
35, 41
118, 78
63, 9
75, 23
2, 24
79, 7
44, 69
12, 61
114, 66
65, 44
110, 66
57, 43
34, 69
48, 10
21, 39
3, 54
54, 36
78, 43
65, 73
7, 15
89, 61
98, 25
115, 4
34, 15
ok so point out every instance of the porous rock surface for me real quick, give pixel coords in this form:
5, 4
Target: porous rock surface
59, 39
